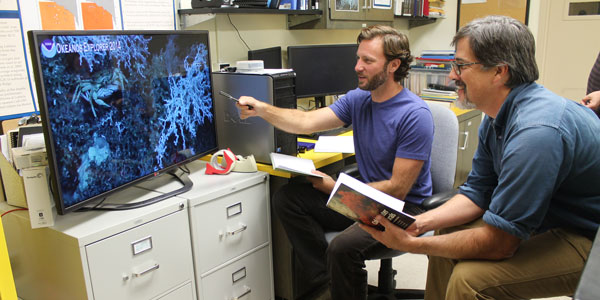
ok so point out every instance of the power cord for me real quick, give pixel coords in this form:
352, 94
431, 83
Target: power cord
16, 209
238, 32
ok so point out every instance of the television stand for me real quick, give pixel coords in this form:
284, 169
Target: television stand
178, 173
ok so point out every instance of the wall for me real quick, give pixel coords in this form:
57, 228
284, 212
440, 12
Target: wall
262, 31
437, 35
567, 48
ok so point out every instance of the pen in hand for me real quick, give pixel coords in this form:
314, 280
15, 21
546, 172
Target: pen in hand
233, 98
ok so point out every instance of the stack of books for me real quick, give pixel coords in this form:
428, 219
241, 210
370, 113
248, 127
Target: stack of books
420, 8
436, 9
434, 59
438, 95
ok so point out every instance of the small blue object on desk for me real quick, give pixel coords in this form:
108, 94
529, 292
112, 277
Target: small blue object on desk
305, 146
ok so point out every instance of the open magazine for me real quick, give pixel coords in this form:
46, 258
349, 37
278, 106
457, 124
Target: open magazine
362, 203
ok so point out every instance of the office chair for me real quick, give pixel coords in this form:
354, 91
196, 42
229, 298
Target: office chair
443, 170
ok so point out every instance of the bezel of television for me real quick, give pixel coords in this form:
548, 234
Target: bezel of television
323, 70
119, 107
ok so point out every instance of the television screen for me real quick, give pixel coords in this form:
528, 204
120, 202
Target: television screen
323, 70
270, 56
120, 106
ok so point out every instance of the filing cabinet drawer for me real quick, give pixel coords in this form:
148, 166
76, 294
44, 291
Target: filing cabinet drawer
248, 278
184, 292
229, 226
143, 262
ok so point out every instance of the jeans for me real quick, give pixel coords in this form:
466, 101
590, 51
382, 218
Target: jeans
305, 217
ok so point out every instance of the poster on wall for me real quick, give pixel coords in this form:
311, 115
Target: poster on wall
382, 4
148, 14
16, 97
346, 5
17, 88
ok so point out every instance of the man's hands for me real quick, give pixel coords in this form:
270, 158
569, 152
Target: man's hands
324, 184
250, 107
592, 100
393, 236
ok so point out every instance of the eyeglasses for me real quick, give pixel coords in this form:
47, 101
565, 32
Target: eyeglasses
458, 67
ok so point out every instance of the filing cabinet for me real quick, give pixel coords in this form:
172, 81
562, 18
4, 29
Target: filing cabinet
144, 253
231, 234
212, 242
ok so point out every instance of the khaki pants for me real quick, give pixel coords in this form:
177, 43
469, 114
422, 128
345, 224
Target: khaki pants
546, 265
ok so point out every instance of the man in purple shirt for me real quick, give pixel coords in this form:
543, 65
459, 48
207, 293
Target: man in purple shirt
393, 133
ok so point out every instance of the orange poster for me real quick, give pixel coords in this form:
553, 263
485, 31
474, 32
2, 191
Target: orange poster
56, 17
95, 17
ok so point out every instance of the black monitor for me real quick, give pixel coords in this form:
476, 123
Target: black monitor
323, 70
119, 107
270, 56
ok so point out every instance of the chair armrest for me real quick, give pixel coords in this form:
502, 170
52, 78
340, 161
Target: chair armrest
438, 199
351, 170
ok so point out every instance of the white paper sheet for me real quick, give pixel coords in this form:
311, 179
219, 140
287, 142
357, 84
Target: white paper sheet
335, 144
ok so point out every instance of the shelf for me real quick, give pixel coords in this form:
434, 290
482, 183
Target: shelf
418, 21
233, 10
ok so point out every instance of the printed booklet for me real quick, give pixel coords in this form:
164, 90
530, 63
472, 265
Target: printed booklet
362, 203
293, 164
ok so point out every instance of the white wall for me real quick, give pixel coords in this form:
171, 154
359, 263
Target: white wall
437, 35
264, 30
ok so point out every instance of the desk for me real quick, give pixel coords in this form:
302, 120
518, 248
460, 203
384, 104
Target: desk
320, 159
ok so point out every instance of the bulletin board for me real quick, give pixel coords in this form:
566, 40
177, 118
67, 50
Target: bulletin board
469, 10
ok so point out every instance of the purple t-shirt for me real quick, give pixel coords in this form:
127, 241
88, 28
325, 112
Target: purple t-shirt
401, 127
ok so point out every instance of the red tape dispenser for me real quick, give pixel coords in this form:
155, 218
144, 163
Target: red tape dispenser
227, 163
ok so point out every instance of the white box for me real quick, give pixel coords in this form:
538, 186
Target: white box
39, 199
29, 158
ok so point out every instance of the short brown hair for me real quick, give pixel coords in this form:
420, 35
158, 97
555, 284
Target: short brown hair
395, 45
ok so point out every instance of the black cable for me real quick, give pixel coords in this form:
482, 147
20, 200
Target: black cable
88, 208
238, 32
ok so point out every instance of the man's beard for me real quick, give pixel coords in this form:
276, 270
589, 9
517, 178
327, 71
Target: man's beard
465, 103
377, 80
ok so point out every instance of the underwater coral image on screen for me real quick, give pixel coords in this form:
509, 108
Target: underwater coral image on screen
122, 106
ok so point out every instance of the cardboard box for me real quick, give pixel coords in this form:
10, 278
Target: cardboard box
31, 191
13, 184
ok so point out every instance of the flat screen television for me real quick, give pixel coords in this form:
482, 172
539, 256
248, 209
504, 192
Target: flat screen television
323, 70
271, 57
119, 107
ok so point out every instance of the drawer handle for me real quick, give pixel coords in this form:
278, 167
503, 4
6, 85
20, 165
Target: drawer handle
152, 268
466, 143
242, 228
248, 290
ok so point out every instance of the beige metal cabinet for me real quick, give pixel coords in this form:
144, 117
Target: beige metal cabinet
143, 253
231, 234
468, 126
360, 10
343, 14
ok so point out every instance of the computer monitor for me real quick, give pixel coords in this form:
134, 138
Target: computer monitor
270, 56
323, 70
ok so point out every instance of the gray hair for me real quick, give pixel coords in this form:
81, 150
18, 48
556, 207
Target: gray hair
497, 40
